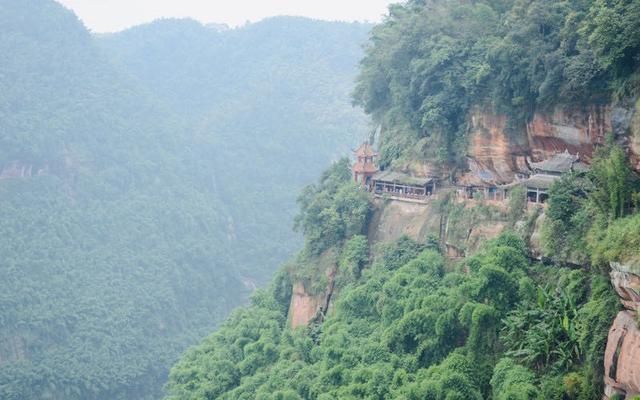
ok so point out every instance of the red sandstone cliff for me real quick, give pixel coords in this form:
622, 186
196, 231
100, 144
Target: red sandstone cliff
622, 355
498, 151
309, 305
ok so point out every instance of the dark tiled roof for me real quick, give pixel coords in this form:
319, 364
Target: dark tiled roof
540, 181
399, 177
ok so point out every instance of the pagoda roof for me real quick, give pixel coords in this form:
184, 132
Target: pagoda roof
365, 150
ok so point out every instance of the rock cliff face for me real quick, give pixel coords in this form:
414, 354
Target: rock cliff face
498, 150
494, 155
309, 304
622, 355
575, 130
393, 219
304, 306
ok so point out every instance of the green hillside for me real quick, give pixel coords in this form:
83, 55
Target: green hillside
123, 232
406, 320
267, 108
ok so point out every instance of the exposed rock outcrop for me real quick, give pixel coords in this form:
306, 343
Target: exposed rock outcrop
304, 306
622, 355
307, 306
393, 219
419, 221
493, 154
626, 281
574, 130
498, 150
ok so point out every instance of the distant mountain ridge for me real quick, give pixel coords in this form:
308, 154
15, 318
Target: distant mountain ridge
141, 198
262, 93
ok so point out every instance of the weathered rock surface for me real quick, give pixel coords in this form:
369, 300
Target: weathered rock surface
498, 150
622, 356
307, 306
419, 221
393, 219
303, 306
574, 130
493, 154
626, 280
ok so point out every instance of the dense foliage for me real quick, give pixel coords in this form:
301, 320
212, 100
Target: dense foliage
126, 220
431, 61
267, 108
333, 210
404, 323
591, 215
411, 328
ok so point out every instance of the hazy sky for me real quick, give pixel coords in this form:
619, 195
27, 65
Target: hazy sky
114, 15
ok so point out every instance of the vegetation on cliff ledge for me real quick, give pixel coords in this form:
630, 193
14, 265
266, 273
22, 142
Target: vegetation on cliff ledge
147, 180
411, 326
592, 216
405, 323
431, 61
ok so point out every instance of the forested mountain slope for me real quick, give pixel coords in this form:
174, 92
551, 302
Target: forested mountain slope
528, 314
118, 246
267, 106
106, 238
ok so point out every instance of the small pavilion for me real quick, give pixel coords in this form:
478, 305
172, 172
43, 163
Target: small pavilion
365, 165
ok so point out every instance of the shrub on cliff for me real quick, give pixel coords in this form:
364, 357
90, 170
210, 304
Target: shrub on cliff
620, 242
333, 210
407, 329
582, 223
432, 61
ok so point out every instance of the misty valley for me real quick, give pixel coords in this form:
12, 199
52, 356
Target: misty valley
441, 205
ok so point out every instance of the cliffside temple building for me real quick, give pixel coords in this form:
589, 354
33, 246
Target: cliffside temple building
365, 166
537, 179
472, 186
396, 184
402, 185
547, 172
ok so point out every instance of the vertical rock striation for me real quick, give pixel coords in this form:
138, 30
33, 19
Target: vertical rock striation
622, 355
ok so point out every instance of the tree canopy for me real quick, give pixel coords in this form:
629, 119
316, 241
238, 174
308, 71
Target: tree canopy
146, 185
432, 61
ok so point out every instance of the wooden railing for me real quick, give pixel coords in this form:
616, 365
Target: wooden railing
404, 195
